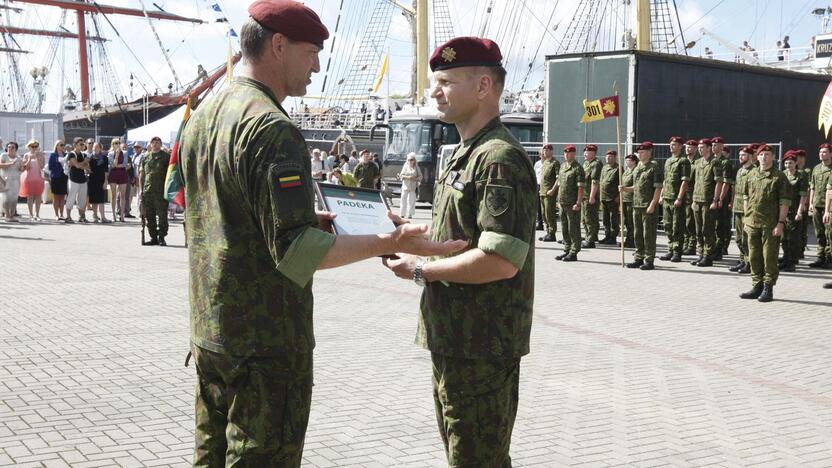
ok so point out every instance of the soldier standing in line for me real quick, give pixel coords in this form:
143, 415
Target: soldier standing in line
570, 188
746, 165
690, 223
548, 193
366, 172
152, 175
254, 243
799, 188
476, 310
609, 198
647, 191
767, 198
817, 199
627, 181
724, 217
589, 211
707, 174
676, 176
807, 174
827, 218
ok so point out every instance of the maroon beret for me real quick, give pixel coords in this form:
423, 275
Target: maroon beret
800, 152
825, 145
677, 139
612, 152
789, 156
754, 146
466, 51
747, 150
691, 143
706, 142
764, 147
590, 148
548, 146
631, 157
290, 18
646, 145
569, 149
717, 140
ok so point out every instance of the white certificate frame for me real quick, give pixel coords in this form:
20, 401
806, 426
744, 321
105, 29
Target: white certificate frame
359, 211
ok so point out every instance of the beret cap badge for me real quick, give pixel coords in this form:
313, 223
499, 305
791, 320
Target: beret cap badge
448, 54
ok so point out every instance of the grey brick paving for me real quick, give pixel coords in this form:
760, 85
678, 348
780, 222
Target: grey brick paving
628, 368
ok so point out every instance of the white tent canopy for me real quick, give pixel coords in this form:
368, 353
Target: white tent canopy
165, 128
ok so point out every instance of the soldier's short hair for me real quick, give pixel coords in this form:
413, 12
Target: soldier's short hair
497, 74
253, 40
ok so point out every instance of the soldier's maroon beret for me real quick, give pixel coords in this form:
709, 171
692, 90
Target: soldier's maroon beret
590, 148
466, 51
569, 149
764, 147
646, 145
677, 139
612, 152
717, 140
789, 156
706, 142
548, 146
691, 143
290, 18
747, 150
825, 145
631, 157
800, 152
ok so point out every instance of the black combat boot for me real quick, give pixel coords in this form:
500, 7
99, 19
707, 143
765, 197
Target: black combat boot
648, 265
788, 266
676, 258
746, 269
153, 241
666, 256
629, 243
636, 264
718, 256
162, 241
562, 256
588, 244
827, 285
696, 262
572, 257
705, 262
689, 251
819, 263
754, 293
736, 267
768, 293
548, 238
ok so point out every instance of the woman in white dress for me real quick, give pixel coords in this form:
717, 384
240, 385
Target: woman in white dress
11, 165
410, 177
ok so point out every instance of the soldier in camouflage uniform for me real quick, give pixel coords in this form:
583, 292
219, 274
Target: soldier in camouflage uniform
589, 209
767, 198
690, 222
807, 174
827, 218
627, 181
366, 172
799, 187
609, 198
548, 193
676, 175
707, 174
152, 173
647, 191
476, 309
821, 175
254, 243
725, 215
570, 186
746, 165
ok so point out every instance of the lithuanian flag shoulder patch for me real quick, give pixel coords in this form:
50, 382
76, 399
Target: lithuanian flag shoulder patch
289, 181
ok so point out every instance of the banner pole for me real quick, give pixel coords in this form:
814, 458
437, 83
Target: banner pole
620, 172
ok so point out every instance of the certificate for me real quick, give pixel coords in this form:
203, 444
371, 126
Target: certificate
359, 210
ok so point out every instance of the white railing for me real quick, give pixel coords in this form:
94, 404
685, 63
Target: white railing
795, 57
332, 119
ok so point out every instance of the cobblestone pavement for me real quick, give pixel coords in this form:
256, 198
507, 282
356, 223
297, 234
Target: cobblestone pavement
628, 368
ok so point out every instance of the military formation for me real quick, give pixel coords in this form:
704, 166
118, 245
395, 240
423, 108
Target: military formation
703, 198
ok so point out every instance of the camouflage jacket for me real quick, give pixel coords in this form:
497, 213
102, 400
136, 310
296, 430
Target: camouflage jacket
592, 170
609, 182
155, 169
676, 170
691, 180
821, 175
799, 188
707, 174
550, 175
252, 237
739, 188
627, 181
570, 178
487, 197
646, 179
765, 193
366, 174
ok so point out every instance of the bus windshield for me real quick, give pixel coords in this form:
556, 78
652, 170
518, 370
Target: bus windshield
407, 137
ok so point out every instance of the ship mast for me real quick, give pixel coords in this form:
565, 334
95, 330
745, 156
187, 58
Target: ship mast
81, 7
643, 36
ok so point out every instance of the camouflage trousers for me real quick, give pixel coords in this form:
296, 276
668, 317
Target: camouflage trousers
805, 233
628, 219
724, 216
820, 233
762, 255
589, 216
792, 239
155, 206
645, 227
476, 404
610, 218
570, 228
550, 214
742, 236
705, 232
674, 226
251, 411
690, 228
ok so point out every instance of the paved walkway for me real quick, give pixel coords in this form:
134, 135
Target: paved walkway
628, 368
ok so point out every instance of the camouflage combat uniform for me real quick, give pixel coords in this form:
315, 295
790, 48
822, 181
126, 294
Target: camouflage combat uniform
627, 181
676, 171
821, 175
765, 193
646, 179
365, 174
477, 333
570, 178
793, 231
724, 216
707, 174
155, 206
589, 212
690, 219
254, 246
549, 177
608, 191
738, 209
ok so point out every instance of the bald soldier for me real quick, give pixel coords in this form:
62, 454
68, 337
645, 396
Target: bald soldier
476, 310
255, 241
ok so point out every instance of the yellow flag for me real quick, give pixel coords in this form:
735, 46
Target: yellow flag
825, 112
600, 109
229, 67
381, 72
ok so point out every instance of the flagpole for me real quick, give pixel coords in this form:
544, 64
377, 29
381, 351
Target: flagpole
620, 173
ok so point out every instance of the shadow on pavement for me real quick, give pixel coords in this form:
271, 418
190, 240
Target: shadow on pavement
27, 238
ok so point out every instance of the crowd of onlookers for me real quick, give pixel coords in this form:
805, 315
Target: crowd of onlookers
80, 174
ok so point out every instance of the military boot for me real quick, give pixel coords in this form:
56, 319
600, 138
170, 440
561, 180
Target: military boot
162, 241
705, 262
676, 258
736, 267
767, 294
648, 265
629, 243
636, 264
666, 256
153, 241
819, 263
788, 266
548, 238
689, 251
588, 244
827, 285
696, 262
572, 257
746, 269
754, 293
562, 256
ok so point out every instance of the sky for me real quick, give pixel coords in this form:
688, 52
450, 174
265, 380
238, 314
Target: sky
522, 27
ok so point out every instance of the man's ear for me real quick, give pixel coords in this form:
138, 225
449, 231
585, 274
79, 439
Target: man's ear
278, 45
485, 85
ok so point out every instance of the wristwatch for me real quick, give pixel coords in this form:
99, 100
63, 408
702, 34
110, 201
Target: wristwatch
417, 274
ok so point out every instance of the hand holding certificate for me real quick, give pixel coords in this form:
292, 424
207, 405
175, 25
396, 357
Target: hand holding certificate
358, 210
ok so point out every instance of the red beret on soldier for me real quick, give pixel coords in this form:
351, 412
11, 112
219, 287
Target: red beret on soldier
466, 51
290, 18
718, 140
569, 149
612, 152
789, 156
592, 148
800, 153
706, 142
677, 139
691, 143
763, 147
548, 146
646, 145
825, 145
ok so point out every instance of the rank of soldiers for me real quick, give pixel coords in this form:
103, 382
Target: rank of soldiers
699, 193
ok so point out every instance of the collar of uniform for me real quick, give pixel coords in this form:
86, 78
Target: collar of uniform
243, 81
766, 172
493, 123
